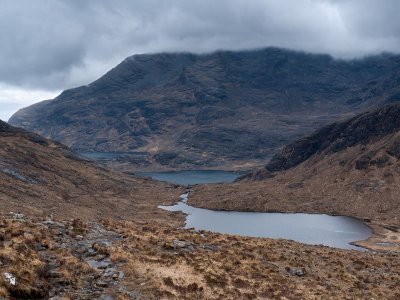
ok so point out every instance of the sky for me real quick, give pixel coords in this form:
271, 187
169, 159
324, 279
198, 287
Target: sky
47, 46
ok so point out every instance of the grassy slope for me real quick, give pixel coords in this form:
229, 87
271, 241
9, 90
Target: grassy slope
40, 177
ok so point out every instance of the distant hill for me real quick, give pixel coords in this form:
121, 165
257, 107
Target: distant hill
39, 177
349, 168
219, 110
364, 130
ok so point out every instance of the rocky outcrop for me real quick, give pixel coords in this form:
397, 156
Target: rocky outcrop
214, 110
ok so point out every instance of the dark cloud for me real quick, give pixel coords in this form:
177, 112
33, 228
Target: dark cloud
57, 44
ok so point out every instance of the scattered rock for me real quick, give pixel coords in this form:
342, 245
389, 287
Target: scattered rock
295, 272
101, 247
17, 175
184, 245
209, 247
41, 247
10, 278
17, 216
101, 283
102, 264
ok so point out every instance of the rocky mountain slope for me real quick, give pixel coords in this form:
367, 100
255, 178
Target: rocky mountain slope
40, 177
347, 168
225, 109
365, 129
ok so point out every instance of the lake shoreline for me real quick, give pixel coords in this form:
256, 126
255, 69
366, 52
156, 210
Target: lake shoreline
380, 232
311, 235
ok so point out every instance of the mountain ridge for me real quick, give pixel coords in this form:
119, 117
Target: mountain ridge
213, 110
337, 137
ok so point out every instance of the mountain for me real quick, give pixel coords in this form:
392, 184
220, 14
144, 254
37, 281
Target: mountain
219, 110
40, 177
347, 168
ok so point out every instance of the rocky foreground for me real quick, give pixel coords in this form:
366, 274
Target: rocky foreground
135, 260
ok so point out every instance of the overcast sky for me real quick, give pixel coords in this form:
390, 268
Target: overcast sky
50, 45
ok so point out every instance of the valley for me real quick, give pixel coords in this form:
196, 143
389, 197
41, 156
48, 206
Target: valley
200, 150
117, 243
180, 189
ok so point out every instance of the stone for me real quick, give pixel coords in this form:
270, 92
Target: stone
101, 283
10, 278
121, 275
295, 272
210, 247
17, 216
48, 222
179, 244
41, 247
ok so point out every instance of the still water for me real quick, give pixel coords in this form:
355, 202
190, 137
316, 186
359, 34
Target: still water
333, 231
176, 177
192, 176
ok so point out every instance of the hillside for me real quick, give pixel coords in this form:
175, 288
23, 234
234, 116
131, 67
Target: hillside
40, 177
365, 129
137, 251
222, 110
347, 168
